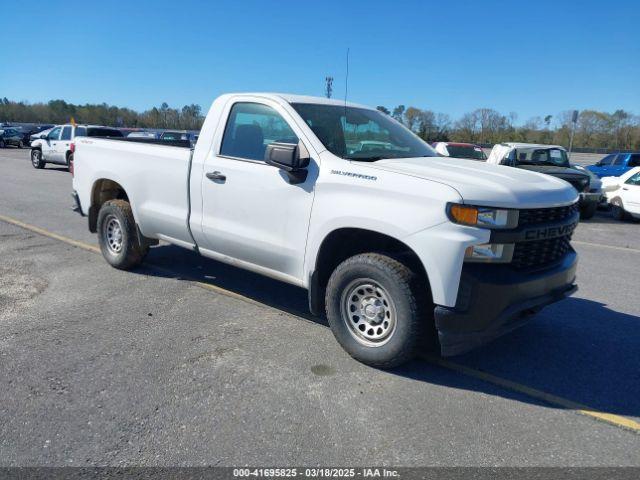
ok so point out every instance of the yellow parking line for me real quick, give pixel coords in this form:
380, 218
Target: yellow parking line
47, 233
603, 245
609, 418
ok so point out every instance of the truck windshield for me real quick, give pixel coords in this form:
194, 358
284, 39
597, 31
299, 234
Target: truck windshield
543, 156
361, 134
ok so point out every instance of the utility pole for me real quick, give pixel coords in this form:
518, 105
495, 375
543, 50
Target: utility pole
328, 89
574, 120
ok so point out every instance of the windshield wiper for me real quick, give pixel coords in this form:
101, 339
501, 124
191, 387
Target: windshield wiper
365, 159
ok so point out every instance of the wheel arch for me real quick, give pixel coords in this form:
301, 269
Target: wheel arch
346, 242
103, 190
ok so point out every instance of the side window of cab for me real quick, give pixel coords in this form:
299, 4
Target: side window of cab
250, 128
54, 134
66, 133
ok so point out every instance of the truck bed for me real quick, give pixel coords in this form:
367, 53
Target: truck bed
155, 141
154, 175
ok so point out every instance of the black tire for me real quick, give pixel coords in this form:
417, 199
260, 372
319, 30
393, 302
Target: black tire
69, 160
20, 144
617, 209
400, 285
118, 235
36, 159
2, 144
588, 210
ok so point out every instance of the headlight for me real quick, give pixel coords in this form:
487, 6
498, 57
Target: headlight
484, 217
489, 252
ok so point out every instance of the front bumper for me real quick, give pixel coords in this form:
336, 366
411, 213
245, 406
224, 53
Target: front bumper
493, 300
590, 197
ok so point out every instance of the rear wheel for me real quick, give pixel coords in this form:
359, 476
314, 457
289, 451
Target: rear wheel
373, 307
118, 235
2, 144
20, 144
36, 159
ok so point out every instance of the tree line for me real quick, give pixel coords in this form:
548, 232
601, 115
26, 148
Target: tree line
619, 130
189, 117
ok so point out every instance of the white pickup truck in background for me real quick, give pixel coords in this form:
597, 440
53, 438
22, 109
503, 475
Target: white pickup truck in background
395, 244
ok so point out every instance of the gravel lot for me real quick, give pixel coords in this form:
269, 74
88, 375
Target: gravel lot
102, 367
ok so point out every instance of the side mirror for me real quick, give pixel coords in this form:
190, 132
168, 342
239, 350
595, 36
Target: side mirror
293, 158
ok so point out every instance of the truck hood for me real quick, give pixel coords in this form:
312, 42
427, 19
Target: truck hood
480, 183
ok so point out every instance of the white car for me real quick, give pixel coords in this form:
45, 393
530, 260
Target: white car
397, 245
623, 194
56, 145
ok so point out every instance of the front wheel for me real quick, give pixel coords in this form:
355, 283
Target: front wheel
617, 209
373, 307
20, 144
118, 235
36, 159
2, 144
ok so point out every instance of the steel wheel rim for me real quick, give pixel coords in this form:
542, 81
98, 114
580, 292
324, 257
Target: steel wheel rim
113, 235
368, 312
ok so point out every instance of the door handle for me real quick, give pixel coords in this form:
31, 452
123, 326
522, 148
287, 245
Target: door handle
625, 188
216, 176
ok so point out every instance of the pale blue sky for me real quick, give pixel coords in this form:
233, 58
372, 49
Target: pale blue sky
529, 57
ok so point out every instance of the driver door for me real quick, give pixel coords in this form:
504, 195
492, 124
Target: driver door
252, 215
50, 143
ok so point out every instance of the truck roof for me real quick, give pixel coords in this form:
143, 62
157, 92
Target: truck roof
293, 98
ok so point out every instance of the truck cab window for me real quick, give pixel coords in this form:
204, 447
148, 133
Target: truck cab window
66, 133
54, 134
250, 128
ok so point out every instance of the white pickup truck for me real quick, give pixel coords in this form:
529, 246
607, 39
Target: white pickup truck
398, 246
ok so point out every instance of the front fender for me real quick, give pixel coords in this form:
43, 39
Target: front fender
441, 250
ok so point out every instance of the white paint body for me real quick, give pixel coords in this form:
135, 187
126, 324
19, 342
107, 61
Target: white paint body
626, 188
259, 221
